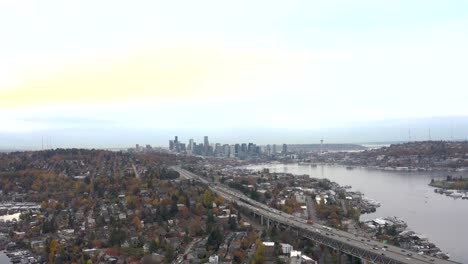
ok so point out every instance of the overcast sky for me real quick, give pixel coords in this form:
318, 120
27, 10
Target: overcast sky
110, 73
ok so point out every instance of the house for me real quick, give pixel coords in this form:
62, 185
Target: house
286, 248
19, 235
213, 259
269, 249
90, 252
37, 246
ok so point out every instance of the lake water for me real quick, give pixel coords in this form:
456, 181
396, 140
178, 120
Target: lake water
405, 195
4, 258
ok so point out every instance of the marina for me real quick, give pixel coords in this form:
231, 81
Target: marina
453, 193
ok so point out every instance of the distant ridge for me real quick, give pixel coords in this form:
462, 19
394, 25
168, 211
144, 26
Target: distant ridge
326, 147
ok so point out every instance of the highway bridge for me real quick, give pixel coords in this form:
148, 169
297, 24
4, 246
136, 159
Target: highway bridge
341, 241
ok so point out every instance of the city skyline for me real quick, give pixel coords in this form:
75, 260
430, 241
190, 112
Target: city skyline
388, 131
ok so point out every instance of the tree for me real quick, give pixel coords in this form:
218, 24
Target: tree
207, 199
219, 200
255, 195
214, 239
153, 246
170, 253
210, 221
117, 237
238, 256
245, 243
258, 256
136, 222
52, 250
185, 212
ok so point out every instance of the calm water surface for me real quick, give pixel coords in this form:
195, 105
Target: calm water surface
405, 195
4, 258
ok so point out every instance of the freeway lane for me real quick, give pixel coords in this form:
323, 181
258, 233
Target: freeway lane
374, 250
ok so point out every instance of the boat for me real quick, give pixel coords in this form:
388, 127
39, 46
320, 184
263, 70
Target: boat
442, 255
349, 167
455, 195
448, 192
372, 202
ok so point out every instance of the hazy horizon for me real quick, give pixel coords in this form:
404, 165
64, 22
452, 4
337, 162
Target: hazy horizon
448, 128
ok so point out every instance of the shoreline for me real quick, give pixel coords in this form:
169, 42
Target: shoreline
380, 168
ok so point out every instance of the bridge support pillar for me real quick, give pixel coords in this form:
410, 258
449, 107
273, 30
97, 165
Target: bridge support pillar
261, 219
268, 223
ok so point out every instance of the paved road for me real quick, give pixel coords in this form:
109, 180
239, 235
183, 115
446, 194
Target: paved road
392, 253
311, 212
187, 250
137, 175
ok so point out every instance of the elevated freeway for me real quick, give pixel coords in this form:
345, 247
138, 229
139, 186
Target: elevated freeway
351, 244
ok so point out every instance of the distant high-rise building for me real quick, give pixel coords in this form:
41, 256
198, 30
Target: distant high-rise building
176, 139
226, 150
181, 147
232, 151
218, 150
243, 147
237, 149
209, 151
251, 148
171, 144
206, 146
285, 149
137, 147
274, 149
190, 145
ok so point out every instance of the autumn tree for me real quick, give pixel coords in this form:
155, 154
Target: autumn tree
185, 212
258, 257
52, 250
207, 199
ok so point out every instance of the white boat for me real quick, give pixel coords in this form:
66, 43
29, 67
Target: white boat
442, 255
372, 202
456, 195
